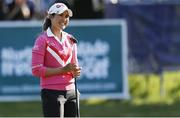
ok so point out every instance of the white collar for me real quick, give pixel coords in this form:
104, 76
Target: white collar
50, 34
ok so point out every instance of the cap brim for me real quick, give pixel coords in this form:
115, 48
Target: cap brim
69, 12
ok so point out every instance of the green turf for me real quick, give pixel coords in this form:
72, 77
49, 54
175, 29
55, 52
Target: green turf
106, 108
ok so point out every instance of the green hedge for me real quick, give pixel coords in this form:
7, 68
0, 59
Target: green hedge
149, 88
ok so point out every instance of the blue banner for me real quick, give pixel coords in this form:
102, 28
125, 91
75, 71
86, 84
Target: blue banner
102, 53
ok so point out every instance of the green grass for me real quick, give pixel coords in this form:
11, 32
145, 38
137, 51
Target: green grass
125, 108
24, 109
145, 101
110, 108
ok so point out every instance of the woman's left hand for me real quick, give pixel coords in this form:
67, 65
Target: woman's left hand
76, 72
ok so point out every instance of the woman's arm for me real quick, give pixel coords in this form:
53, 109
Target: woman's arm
38, 52
70, 68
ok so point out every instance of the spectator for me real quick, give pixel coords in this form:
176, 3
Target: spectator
93, 9
3, 10
41, 7
20, 10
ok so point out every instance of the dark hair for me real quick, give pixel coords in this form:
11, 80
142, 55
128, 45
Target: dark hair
47, 22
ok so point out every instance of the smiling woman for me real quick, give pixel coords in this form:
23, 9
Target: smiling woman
54, 61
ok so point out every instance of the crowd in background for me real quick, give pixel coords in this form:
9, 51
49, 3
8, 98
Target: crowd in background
37, 9
82, 9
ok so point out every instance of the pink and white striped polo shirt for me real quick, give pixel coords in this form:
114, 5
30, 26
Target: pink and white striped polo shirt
48, 51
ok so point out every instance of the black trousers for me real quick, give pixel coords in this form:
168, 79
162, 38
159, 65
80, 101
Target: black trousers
51, 105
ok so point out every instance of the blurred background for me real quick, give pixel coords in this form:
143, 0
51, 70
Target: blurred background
153, 54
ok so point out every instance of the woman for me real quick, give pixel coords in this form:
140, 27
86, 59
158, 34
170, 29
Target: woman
54, 61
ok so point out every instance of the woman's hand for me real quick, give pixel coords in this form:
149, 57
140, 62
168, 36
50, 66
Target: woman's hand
73, 69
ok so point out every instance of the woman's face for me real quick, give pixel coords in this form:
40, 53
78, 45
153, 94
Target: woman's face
60, 21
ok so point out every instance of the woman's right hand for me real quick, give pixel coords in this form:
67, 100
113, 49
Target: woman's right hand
73, 69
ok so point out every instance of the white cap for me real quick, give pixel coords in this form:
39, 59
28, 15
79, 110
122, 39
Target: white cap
59, 8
